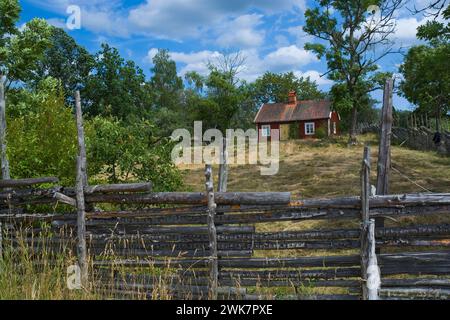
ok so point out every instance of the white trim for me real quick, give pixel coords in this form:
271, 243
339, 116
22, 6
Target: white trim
257, 114
313, 128
263, 128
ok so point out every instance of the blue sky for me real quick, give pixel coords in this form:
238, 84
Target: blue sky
268, 33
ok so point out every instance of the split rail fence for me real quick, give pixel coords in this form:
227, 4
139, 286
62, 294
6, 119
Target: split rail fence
131, 242
207, 245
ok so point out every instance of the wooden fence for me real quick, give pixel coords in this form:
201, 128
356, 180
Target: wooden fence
210, 244
132, 242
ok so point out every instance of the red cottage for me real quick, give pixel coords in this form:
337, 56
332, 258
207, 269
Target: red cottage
300, 119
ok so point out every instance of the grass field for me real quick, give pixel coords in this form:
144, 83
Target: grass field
317, 168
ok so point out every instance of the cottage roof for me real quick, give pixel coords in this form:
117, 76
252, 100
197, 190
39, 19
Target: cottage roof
303, 110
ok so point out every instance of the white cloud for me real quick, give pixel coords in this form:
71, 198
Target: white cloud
241, 32
291, 57
314, 76
301, 36
285, 59
174, 19
193, 61
406, 28
57, 22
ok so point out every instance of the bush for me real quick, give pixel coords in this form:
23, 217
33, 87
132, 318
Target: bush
293, 130
321, 133
41, 134
124, 151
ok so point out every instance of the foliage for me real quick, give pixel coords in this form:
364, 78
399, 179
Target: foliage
130, 152
346, 38
293, 130
426, 80
65, 60
220, 102
42, 134
20, 49
274, 87
166, 89
165, 83
116, 88
434, 30
321, 132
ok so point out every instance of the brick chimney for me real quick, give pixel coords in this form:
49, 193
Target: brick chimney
292, 97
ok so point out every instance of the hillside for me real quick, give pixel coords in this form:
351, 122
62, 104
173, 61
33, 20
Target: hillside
326, 169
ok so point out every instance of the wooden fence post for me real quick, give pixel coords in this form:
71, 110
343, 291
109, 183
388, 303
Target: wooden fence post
369, 268
213, 262
4, 156
223, 167
81, 140
384, 150
1, 241
81, 182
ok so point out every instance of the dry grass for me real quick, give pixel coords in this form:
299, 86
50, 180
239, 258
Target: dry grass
327, 169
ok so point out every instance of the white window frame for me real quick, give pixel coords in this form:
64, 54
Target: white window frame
265, 130
308, 132
334, 128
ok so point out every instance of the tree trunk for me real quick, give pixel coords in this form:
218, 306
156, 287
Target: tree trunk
438, 120
352, 138
4, 156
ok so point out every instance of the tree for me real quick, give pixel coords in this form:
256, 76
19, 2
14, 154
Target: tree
436, 31
165, 83
116, 87
217, 100
351, 44
19, 51
274, 87
426, 80
130, 151
166, 89
65, 60
23, 49
42, 133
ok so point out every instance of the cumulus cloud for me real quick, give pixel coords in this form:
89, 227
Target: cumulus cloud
290, 57
285, 59
178, 19
314, 76
300, 36
406, 28
241, 32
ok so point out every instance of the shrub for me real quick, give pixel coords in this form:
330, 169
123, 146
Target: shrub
321, 133
41, 134
124, 151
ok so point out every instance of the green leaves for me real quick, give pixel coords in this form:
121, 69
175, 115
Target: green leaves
123, 151
26, 48
41, 134
426, 79
65, 60
9, 16
116, 88
318, 49
273, 87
